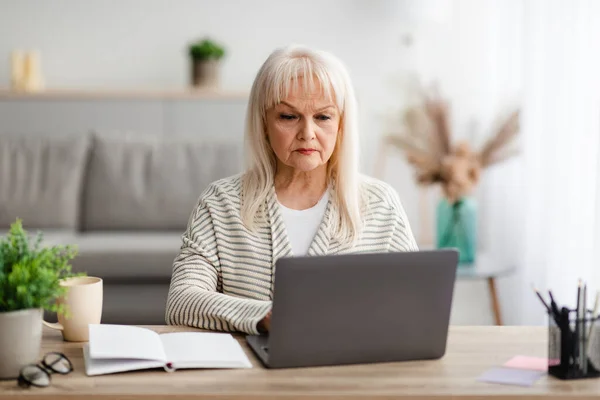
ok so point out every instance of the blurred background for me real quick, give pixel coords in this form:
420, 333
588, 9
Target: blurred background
114, 115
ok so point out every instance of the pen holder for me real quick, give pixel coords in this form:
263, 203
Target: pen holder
574, 346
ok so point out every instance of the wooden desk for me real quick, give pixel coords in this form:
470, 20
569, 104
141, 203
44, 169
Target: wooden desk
471, 350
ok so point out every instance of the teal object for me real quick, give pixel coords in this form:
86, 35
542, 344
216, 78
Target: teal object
457, 227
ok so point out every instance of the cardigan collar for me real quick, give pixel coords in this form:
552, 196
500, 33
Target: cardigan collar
280, 243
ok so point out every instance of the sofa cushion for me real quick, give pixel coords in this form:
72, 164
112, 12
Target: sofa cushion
41, 179
140, 304
127, 256
119, 256
147, 182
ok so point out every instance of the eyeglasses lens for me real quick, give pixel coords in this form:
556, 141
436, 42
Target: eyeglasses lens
35, 375
57, 363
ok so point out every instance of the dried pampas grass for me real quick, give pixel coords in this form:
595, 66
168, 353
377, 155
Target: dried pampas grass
427, 143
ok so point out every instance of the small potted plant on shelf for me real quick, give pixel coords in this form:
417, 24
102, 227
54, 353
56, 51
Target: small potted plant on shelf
29, 284
205, 56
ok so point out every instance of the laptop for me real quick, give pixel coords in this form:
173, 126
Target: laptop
359, 308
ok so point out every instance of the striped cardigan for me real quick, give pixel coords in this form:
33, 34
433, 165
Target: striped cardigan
223, 275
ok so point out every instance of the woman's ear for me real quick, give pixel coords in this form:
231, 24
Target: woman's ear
341, 128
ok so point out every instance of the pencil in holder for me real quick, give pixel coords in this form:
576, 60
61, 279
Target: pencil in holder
573, 345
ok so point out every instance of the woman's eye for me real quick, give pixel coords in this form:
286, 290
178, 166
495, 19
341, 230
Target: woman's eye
323, 117
287, 117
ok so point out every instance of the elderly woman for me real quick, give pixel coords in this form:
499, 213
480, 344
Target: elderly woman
300, 195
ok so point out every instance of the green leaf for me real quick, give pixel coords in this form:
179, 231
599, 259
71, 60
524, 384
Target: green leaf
30, 274
206, 49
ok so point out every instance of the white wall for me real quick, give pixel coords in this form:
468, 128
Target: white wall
471, 46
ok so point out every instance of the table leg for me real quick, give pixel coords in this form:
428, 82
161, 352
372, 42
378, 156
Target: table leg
494, 300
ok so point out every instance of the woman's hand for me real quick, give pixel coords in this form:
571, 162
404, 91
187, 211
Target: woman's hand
265, 324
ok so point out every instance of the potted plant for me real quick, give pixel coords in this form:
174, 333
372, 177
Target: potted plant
205, 56
29, 284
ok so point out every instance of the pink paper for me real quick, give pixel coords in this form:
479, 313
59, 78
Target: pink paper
525, 362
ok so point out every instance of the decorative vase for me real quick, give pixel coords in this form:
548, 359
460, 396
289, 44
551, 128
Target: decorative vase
17, 70
457, 227
32, 72
20, 340
205, 73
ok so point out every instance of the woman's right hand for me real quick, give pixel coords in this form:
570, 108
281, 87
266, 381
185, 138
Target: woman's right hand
265, 324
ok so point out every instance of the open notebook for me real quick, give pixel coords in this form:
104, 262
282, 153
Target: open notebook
119, 348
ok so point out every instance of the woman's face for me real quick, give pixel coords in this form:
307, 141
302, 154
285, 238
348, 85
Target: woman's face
303, 128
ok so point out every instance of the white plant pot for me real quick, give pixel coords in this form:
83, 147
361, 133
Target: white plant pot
205, 74
20, 340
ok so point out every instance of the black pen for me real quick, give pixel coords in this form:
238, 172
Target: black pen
577, 322
542, 300
584, 330
553, 304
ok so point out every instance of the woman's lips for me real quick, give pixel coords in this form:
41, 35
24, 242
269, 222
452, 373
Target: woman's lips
306, 152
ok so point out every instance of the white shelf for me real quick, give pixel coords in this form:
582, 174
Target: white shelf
122, 93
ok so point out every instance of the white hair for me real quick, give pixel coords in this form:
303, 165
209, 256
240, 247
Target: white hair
272, 84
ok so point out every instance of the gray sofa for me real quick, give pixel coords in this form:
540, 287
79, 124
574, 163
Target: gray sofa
123, 199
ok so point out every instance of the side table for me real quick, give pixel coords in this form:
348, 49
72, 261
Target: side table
485, 267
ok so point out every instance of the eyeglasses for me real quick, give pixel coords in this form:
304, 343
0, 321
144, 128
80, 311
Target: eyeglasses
39, 374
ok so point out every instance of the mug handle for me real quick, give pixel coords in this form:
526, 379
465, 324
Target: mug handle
54, 325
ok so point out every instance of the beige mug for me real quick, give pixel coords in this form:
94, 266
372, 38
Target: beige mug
83, 303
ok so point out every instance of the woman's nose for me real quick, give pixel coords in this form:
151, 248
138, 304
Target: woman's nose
307, 130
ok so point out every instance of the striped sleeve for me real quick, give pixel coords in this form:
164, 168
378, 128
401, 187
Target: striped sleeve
194, 299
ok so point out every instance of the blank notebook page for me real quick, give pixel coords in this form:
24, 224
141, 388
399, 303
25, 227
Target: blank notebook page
204, 350
125, 342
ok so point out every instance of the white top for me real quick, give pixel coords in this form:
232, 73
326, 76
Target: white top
302, 225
